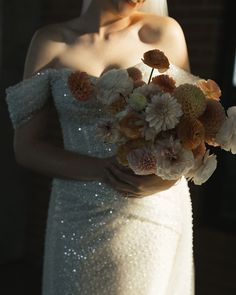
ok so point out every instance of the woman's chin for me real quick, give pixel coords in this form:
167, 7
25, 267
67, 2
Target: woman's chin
127, 7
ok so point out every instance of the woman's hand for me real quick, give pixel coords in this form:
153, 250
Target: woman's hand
126, 181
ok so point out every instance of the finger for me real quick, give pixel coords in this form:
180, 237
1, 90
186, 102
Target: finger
118, 184
126, 176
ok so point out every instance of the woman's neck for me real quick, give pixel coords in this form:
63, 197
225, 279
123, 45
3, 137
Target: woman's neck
101, 22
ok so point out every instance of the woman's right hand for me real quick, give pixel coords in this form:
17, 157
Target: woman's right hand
127, 182
106, 171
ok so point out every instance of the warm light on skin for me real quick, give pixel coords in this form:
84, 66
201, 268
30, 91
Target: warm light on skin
109, 14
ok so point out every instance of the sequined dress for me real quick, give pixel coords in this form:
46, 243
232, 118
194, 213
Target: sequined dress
97, 241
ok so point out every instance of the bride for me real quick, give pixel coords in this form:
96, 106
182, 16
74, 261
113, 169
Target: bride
109, 231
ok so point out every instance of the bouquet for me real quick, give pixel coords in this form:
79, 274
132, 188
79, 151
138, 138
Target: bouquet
160, 128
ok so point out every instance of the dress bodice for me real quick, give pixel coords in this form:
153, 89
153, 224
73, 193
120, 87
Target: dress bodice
77, 118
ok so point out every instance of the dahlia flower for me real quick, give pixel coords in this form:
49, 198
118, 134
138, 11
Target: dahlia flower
80, 85
190, 132
173, 161
212, 120
142, 161
192, 100
165, 82
163, 112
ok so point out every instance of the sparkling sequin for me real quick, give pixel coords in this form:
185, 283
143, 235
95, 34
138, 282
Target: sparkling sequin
99, 242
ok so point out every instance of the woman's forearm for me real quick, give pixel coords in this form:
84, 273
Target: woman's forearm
54, 161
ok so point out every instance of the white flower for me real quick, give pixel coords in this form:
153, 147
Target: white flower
163, 112
173, 161
148, 90
113, 83
226, 137
107, 131
203, 171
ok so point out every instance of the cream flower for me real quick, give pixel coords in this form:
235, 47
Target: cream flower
163, 112
142, 161
226, 137
203, 172
148, 90
113, 83
173, 161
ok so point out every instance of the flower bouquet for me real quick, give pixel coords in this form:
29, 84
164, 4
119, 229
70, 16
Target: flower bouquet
160, 128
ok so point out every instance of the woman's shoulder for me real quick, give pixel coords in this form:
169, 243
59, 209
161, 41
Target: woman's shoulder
159, 20
45, 46
51, 32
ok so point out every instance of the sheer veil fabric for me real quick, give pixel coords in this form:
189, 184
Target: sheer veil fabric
158, 7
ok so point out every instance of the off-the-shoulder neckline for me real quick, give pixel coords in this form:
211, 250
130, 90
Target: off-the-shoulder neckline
74, 70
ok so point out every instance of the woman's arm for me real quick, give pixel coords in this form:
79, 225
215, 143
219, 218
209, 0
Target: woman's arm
34, 152
30, 146
174, 42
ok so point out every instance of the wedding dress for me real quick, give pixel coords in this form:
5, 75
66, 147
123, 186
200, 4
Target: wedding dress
99, 242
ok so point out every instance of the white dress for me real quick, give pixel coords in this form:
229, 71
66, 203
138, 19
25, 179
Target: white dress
97, 241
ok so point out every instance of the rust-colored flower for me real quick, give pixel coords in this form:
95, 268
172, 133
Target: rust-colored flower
117, 106
165, 82
156, 59
210, 88
135, 74
80, 85
131, 125
212, 119
191, 133
125, 148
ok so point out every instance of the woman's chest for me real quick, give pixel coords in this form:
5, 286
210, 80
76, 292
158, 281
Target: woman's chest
95, 57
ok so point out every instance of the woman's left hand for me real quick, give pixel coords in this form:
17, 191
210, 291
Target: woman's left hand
144, 184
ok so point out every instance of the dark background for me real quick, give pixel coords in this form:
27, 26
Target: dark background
209, 27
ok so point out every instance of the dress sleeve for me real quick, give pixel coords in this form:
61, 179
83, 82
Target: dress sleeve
28, 96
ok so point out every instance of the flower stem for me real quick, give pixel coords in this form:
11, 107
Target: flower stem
150, 77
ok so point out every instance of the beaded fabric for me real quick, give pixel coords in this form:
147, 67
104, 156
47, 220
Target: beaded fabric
99, 242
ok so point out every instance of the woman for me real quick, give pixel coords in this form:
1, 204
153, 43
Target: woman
109, 231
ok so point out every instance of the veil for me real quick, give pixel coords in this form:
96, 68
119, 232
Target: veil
158, 7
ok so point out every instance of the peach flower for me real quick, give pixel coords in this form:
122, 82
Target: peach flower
124, 149
210, 88
131, 125
191, 133
80, 85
